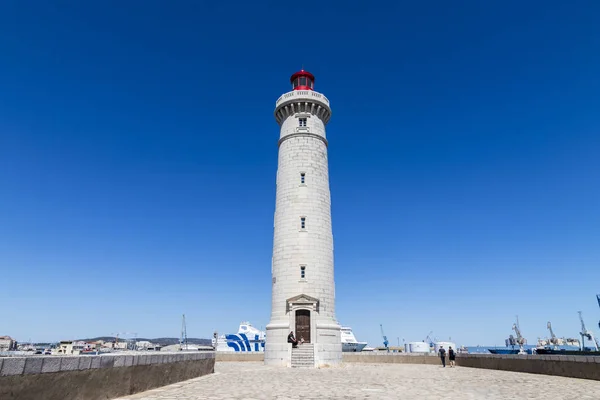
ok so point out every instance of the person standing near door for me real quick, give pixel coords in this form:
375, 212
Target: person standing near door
442, 354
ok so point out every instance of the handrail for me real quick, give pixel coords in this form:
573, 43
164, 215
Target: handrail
302, 94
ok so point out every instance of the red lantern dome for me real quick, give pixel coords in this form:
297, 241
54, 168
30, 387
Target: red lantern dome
303, 80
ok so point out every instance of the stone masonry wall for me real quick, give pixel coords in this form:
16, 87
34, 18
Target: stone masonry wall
583, 367
395, 358
97, 377
237, 356
312, 246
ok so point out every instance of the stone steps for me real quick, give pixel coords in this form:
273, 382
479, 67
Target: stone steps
303, 356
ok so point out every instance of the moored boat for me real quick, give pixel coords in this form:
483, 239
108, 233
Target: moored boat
503, 351
349, 342
565, 352
512, 342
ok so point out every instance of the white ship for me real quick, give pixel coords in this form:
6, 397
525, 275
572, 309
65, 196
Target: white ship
248, 339
251, 340
349, 342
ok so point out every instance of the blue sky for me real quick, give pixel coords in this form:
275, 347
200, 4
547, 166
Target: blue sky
138, 154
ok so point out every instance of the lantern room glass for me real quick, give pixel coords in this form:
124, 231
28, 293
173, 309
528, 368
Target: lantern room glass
303, 82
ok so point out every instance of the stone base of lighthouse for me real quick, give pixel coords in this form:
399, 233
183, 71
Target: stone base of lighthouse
322, 332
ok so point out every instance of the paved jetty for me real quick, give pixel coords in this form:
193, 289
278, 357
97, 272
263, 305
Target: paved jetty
250, 380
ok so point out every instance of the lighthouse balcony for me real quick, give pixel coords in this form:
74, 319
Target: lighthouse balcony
302, 101
302, 94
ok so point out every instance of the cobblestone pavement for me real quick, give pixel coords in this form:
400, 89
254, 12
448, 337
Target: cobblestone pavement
253, 381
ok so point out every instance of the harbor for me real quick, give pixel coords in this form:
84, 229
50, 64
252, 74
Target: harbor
249, 339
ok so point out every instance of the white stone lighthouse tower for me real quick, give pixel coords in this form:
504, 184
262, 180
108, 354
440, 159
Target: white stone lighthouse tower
303, 297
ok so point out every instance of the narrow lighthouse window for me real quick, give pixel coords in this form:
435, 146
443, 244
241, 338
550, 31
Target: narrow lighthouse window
302, 222
302, 178
303, 272
302, 121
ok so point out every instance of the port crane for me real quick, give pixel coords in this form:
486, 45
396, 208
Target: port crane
429, 340
385, 339
586, 334
117, 334
598, 298
553, 338
520, 339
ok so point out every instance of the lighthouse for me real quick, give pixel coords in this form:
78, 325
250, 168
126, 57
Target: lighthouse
303, 286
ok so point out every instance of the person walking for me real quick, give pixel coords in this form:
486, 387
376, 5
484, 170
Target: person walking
451, 356
442, 354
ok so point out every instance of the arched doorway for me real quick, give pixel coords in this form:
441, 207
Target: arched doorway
303, 325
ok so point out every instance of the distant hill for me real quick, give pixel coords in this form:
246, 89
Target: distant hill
166, 341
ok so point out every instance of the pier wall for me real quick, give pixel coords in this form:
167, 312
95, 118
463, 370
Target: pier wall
236, 356
584, 367
365, 357
97, 377
395, 358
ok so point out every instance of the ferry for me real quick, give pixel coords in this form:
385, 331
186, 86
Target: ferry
349, 342
247, 339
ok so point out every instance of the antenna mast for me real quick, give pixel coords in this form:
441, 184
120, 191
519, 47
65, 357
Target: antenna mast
183, 343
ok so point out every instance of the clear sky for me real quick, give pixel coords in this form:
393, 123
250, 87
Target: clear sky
138, 153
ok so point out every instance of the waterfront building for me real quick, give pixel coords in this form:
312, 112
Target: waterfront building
7, 343
303, 288
68, 347
146, 345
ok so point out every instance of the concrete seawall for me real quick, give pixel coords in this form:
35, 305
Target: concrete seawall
584, 367
97, 377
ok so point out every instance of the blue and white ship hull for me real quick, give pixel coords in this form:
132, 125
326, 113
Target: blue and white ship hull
248, 340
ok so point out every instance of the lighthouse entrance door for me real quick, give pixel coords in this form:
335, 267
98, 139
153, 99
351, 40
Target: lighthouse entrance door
303, 325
